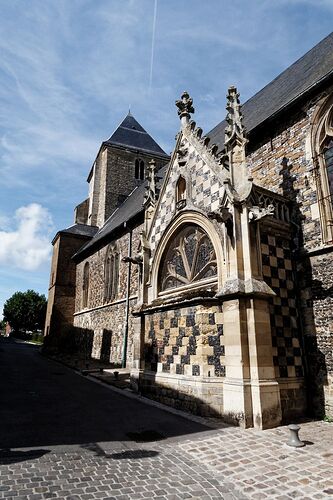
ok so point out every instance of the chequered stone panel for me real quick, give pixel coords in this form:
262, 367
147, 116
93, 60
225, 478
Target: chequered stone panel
186, 341
205, 190
278, 274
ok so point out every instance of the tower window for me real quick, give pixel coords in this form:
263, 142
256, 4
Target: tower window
139, 171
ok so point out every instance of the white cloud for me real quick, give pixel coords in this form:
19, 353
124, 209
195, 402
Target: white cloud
28, 245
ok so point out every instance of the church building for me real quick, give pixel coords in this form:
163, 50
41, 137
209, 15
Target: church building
209, 274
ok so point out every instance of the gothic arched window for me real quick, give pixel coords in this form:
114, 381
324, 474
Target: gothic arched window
328, 157
139, 169
181, 193
85, 287
323, 157
111, 274
188, 260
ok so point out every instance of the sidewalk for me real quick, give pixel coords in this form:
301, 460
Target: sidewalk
260, 465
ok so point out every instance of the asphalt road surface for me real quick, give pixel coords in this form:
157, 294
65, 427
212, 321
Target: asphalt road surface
44, 403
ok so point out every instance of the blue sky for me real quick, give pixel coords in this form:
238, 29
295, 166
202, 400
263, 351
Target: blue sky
69, 70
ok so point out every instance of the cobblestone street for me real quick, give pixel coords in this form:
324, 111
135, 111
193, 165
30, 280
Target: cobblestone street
224, 463
58, 441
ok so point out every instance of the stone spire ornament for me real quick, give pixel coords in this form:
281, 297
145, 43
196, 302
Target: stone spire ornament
235, 142
151, 189
234, 131
185, 108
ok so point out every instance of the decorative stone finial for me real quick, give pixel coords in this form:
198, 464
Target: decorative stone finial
185, 107
151, 189
235, 142
234, 131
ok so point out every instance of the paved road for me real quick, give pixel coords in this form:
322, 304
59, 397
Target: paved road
63, 436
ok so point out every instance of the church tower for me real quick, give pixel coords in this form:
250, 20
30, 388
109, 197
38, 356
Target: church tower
120, 166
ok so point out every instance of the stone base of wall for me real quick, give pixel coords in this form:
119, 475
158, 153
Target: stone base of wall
293, 398
202, 396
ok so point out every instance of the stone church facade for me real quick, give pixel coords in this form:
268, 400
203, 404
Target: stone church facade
209, 273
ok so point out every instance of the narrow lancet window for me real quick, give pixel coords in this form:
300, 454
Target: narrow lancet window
139, 169
85, 288
111, 274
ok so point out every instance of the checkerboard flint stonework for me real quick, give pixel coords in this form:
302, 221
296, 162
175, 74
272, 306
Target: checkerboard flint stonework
186, 341
278, 274
206, 186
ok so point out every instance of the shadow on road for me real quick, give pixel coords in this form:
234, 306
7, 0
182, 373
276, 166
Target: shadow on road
45, 404
8, 456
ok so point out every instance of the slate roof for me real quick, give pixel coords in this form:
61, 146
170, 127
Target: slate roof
78, 230
132, 207
306, 73
131, 134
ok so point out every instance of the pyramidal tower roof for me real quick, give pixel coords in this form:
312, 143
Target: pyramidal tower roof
132, 135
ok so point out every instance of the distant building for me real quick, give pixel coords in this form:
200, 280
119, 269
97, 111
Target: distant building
8, 329
210, 273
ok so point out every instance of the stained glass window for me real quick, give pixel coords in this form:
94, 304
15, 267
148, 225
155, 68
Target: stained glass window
328, 155
189, 258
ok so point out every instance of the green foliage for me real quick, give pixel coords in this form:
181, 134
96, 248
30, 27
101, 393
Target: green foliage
25, 311
2, 325
328, 419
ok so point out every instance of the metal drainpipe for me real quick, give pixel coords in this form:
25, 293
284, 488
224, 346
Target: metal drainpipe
128, 289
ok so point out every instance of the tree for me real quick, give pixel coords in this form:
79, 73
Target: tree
25, 311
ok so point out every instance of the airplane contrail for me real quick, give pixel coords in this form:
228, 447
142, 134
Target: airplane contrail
152, 47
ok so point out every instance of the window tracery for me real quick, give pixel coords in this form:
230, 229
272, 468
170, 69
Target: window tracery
323, 156
111, 274
188, 260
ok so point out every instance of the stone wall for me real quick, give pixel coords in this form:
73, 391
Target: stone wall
107, 321
114, 179
316, 303
279, 272
283, 163
184, 353
61, 295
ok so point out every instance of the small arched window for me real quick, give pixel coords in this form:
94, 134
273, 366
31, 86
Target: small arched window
111, 274
139, 169
181, 189
85, 286
188, 260
181, 193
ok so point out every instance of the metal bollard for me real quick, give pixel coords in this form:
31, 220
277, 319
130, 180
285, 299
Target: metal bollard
116, 374
294, 440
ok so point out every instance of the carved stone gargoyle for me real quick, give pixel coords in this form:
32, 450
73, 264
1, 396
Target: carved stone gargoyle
136, 259
223, 215
182, 153
258, 213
